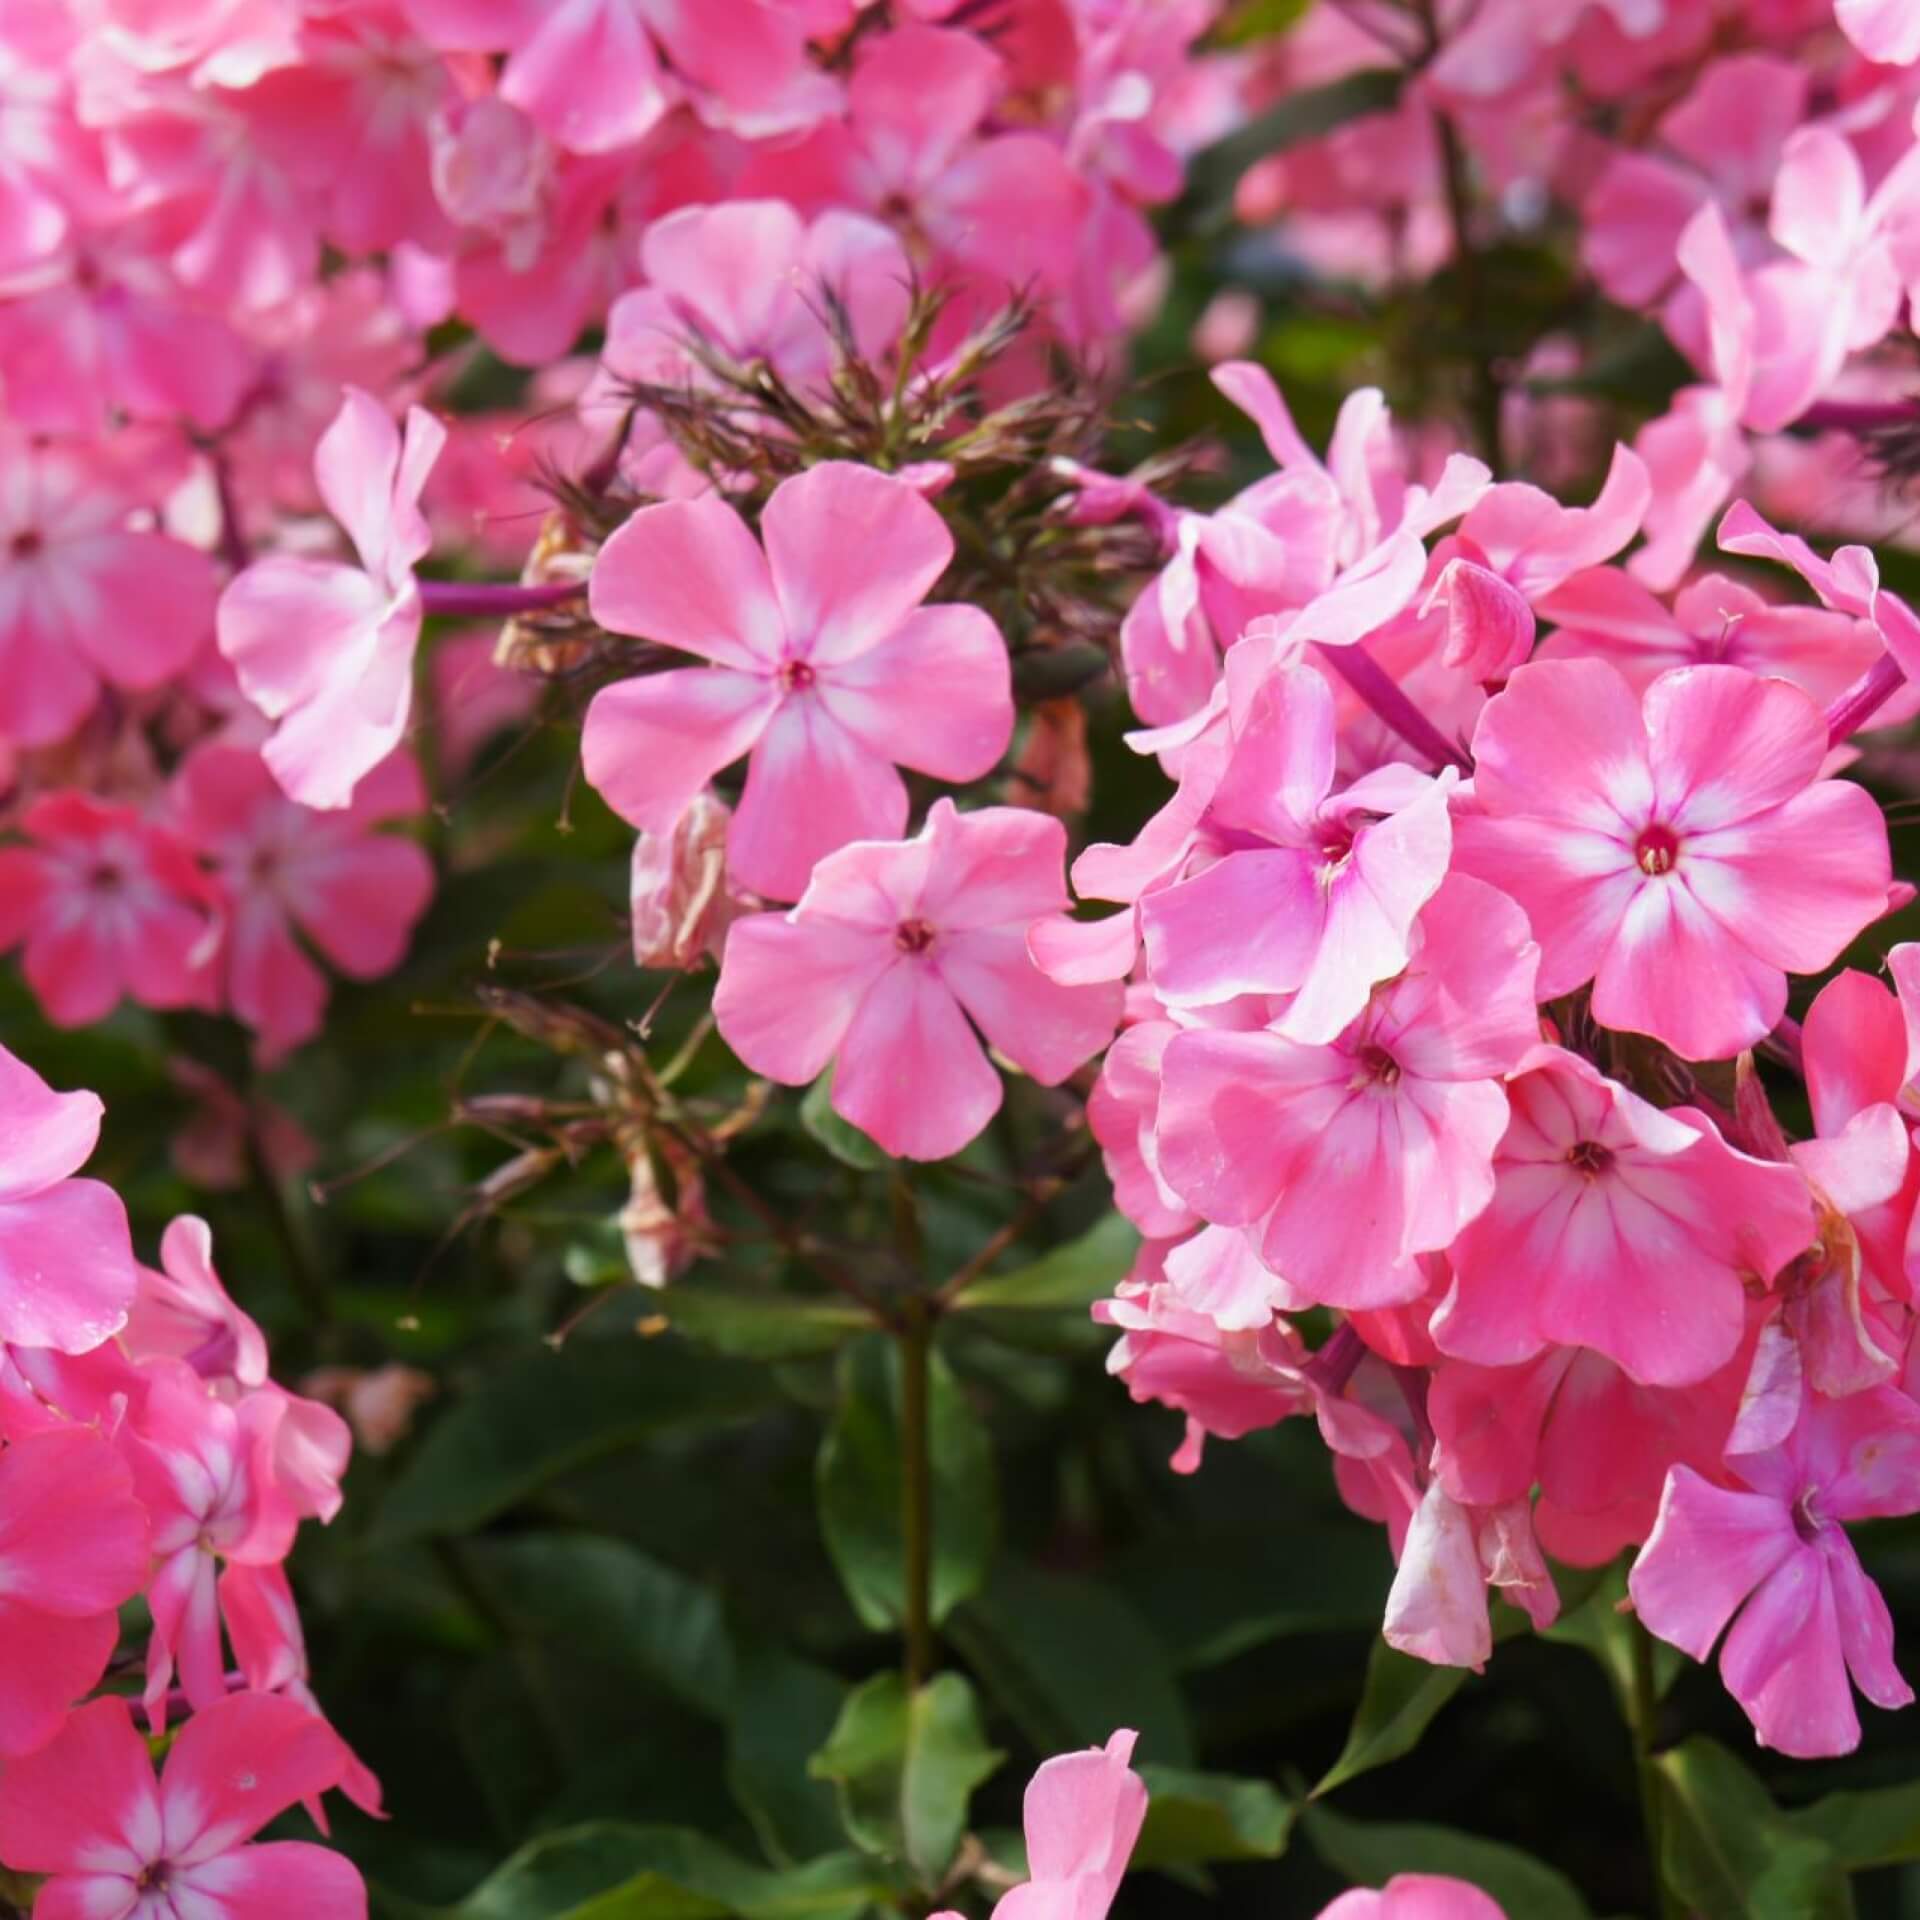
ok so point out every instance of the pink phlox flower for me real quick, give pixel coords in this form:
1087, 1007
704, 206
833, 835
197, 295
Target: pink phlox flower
1773, 1552
107, 904
204, 1470
1721, 143
824, 668
183, 1312
599, 75
1306, 891
750, 280
1416, 1896
326, 650
1082, 1815
1886, 31
891, 951
1121, 1113
87, 595
1680, 851
1605, 614
1349, 1158
86, 1810
1617, 1226
288, 873
73, 1548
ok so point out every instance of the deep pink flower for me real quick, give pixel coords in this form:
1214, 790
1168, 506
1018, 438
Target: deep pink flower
85, 596
106, 904
1773, 1552
73, 1547
1315, 893
1617, 1226
284, 870
326, 650
51, 1223
86, 1810
1681, 851
1353, 1157
891, 950
183, 1312
1083, 1813
825, 668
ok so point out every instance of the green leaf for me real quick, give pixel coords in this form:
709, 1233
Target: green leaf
1599, 1626
841, 1138
1397, 1705
1370, 1855
1069, 1660
1876, 1827
1730, 1853
1069, 1279
609, 1596
761, 1326
1194, 1818
859, 1486
549, 1413
613, 1872
1214, 172
783, 1710
906, 1765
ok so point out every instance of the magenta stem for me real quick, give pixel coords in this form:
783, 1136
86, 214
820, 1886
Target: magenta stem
484, 600
1860, 416
1332, 1366
1863, 699
1371, 681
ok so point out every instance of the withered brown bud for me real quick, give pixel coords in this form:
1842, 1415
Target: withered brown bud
681, 906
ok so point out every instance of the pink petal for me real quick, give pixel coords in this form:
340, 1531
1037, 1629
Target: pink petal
84, 1802
1250, 923
359, 902
650, 745
993, 867
285, 623
236, 1765
270, 982
73, 1539
588, 75
1866, 1627
371, 481
51, 1663
736, 265
688, 574
1710, 1547
1563, 742
170, 583
812, 788
910, 1072
281, 1878
936, 695
1042, 1027
789, 989
1819, 197
1437, 1605
1853, 1045
1082, 1814
1726, 745
1783, 1662
1887, 31
1282, 764
852, 553
66, 1267
44, 1136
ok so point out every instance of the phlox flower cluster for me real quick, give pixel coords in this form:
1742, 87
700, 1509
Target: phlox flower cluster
150, 1455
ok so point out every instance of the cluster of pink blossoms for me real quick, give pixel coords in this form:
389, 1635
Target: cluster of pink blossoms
149, 1454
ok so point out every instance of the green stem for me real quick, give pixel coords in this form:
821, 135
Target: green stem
302, 1270
1485, 384
1643, 1712
916, 1487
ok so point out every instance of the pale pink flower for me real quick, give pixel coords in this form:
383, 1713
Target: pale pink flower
1353, 1157
1679, 851
86, 1810
1450, 1555
1773, 1551
107, 904
326, 650
1617, 1226
285, 871
1416, 1896
73, 1546
825, 668
1316, 893
892, 949
86, 596
1082, 1815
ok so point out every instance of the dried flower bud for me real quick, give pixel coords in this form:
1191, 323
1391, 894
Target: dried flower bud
379, 1402
557, 641
664, 1235
681, 906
